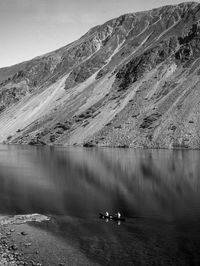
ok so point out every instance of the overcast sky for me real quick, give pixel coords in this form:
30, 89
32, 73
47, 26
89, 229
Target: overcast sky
30, 28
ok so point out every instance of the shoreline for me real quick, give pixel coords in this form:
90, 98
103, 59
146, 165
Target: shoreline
10, 253
26, 241
126, 147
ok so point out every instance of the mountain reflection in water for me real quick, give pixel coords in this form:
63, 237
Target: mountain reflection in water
81, 182
158, 191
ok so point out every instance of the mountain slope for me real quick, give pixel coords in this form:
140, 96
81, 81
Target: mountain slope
133, 81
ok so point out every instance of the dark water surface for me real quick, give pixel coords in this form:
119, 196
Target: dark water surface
158, 191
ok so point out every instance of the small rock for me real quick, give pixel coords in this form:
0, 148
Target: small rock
24, 233
14, 247
21, 263
4, 242
27, 244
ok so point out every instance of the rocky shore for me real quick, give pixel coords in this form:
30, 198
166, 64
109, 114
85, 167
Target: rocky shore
10, 253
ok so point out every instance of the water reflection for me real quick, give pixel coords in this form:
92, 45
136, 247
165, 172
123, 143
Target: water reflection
157, 190
81, 182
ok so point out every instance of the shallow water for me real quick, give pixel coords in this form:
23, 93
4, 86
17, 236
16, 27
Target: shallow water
158, 191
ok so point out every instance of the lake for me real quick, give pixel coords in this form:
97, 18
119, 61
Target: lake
157, 191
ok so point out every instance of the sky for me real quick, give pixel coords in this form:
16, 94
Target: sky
30, 28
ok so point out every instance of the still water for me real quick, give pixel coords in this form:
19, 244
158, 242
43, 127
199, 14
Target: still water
158, 191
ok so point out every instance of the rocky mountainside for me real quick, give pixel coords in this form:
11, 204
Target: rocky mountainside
131, 82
